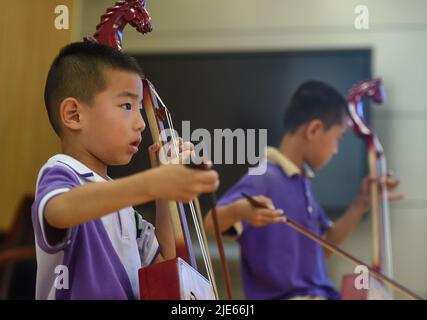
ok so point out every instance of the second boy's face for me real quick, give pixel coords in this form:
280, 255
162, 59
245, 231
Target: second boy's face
325, 145
113, 123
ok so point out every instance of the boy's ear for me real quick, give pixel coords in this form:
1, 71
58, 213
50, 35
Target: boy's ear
69, 113
313, 128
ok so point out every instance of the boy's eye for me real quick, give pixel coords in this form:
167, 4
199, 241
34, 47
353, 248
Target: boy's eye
126, 106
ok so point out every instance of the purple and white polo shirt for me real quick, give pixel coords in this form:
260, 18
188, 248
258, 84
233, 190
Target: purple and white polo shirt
276, 261
95, 260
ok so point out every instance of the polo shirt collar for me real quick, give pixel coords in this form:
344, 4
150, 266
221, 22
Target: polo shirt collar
288, 167
81, 169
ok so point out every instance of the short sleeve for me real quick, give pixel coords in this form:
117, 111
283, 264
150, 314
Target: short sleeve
252, 185
52, 182
148, 245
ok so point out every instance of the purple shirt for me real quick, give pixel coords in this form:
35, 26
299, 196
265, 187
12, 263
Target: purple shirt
95, 260
276, 261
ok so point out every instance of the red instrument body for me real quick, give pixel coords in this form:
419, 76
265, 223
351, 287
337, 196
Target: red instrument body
173, 280
177, 278
376, 290
379, 211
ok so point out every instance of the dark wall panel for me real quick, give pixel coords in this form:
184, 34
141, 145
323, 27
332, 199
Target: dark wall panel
251, 90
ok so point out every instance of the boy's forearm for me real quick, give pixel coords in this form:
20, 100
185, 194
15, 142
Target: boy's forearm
164, 231
228, 215
345, 225
94, 200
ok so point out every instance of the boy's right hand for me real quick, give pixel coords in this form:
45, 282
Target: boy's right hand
180, 183
258, 217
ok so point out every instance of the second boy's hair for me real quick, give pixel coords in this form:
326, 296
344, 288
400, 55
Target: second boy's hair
314, 100
79, 72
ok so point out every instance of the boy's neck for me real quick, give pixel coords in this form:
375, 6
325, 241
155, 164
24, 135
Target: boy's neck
87, 159
290, 147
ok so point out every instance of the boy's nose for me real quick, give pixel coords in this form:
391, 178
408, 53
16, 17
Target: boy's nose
140, 123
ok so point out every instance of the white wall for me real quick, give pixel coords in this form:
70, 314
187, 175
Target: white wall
397, 36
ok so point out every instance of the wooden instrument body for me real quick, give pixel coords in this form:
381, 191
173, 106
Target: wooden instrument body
381, 240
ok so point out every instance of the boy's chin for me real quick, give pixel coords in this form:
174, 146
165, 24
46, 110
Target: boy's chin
316, 166
318, 163
121, 162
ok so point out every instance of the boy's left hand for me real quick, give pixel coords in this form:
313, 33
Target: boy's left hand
363, 200
185, 150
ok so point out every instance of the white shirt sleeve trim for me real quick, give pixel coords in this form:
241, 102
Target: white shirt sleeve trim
238, 226
40, 211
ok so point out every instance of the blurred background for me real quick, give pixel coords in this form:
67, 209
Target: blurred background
231, 64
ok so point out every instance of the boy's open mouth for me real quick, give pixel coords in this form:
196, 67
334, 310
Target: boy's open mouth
134, 145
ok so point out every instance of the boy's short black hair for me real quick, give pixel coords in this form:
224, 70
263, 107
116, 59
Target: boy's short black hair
314, 100
78, 72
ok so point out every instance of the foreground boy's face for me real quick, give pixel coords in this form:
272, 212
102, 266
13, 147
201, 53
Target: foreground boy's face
113, 123
325, 145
